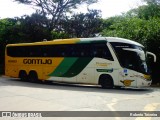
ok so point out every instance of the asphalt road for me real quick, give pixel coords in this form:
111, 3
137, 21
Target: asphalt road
16, 95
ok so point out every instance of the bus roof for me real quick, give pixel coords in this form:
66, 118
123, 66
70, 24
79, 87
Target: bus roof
116, 39
112, 39
79, 40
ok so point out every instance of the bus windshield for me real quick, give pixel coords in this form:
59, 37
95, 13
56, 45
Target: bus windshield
131, 56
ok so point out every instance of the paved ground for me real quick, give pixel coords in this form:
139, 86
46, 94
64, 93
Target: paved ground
17, 95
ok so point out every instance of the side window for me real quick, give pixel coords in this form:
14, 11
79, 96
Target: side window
55, 51
24, 51
48, 50
60, 51
72, 50
11, 51
68, 50
33, 51
79, 50
16, 51
63, 49
102, 51
84, 50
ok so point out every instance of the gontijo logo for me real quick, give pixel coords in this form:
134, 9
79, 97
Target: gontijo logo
37, 61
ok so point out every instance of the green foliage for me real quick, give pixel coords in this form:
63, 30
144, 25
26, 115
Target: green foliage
145, 30
59, 35
34, 27
5, 24
133, 29
150, 10
83, 24
155, 2
25, 29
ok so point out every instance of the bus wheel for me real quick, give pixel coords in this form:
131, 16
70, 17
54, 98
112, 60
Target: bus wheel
23, 75
33, 77
106, 82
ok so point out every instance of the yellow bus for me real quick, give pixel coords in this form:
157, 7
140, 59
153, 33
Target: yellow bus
105, 61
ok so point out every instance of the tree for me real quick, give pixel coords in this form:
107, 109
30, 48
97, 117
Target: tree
34, 27
155, 2
83, 24
55, 9
133, 29
25, 29
4, 25
150, 10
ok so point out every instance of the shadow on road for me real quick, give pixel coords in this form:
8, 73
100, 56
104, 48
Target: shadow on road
73, 87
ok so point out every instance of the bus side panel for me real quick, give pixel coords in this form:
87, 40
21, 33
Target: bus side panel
11, 67
87, 76
11, 70
46, 74
74, 70
104, 66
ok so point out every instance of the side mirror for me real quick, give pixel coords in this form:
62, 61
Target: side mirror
152, 54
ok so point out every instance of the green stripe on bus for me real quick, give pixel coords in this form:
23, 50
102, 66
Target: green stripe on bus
77, 67
95, 41
105, 70
63, 67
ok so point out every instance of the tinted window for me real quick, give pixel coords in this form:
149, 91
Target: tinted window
24, 51
102, 51
130, 59
69, 50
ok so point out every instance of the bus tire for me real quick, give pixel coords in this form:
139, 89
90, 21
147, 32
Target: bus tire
106, 81
33, 77
23, 75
